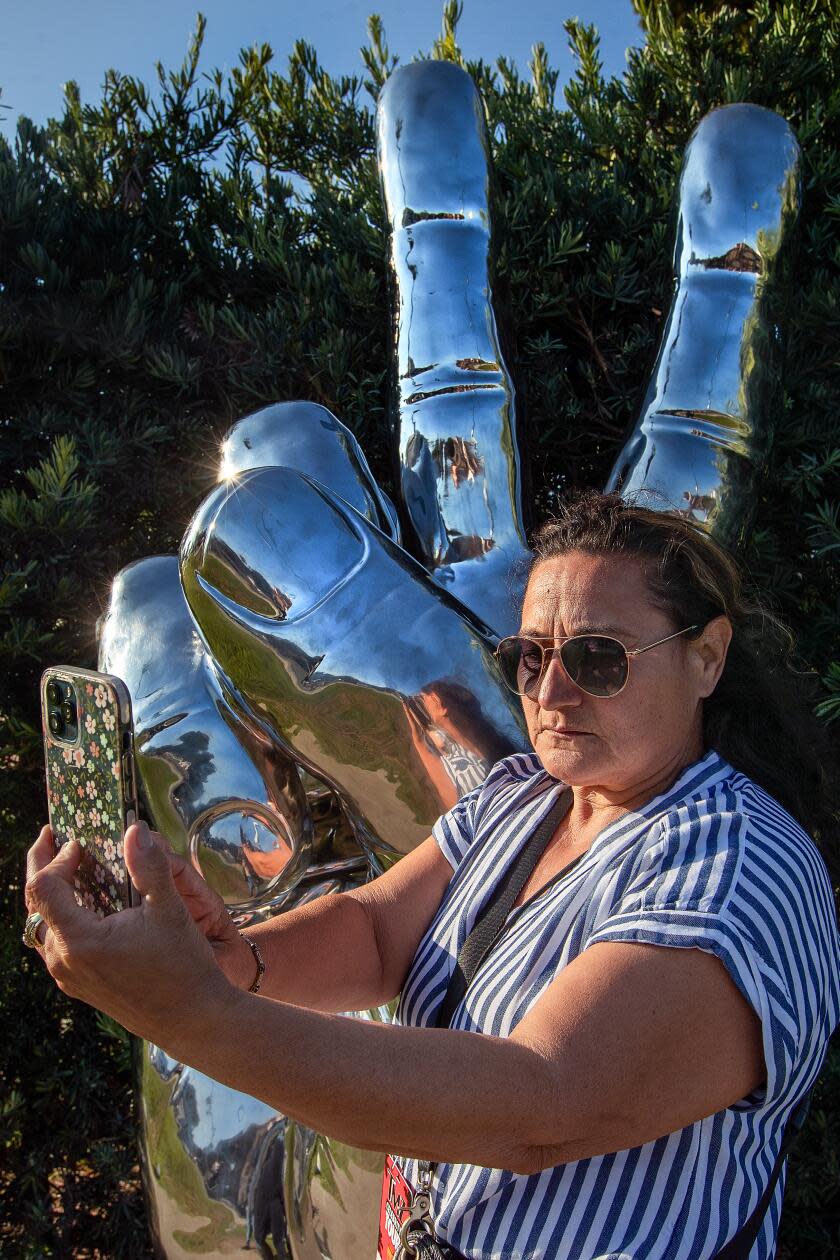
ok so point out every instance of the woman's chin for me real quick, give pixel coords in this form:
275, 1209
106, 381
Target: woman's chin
567, 757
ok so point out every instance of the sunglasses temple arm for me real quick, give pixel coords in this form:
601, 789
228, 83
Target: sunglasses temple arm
668, 637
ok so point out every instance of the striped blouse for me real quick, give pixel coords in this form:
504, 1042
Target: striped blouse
715, 863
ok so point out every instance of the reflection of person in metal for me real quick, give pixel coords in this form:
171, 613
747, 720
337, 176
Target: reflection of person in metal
618, 1076
265, 1217
452, 737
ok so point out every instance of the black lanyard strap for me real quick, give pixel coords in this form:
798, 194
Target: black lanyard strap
490, 922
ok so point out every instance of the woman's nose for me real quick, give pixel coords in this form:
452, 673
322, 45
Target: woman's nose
556, 687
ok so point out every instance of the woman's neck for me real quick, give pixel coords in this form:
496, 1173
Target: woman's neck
596, 805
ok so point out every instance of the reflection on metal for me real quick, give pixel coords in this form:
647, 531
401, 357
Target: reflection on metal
215, 1166
212, 781
457, 443
332, 1190
213, 1161
705, 422
301, 598
305, 436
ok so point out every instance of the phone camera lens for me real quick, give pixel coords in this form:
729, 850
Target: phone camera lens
53, 693
68, 712
56, 723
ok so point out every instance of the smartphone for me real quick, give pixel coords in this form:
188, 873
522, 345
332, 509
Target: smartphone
91, 789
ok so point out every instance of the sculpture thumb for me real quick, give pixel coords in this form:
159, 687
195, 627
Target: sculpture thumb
150, 869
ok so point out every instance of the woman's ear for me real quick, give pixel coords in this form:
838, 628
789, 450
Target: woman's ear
710, 650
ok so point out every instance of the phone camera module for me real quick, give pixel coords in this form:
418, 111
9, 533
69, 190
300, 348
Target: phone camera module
53, 693
68, 712
55, 722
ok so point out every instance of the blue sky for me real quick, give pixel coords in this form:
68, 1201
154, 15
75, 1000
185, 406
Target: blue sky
46, 42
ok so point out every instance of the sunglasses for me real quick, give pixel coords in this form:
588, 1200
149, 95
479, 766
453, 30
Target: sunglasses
597, 663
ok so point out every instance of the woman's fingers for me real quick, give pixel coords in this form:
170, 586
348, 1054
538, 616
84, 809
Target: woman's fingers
206, 908
131, 964
39, 855
49, 892
188, 881
201, 900
158, 839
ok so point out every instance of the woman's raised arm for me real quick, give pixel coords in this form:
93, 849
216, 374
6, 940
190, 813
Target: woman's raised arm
626, 1044
343, 952
350, 951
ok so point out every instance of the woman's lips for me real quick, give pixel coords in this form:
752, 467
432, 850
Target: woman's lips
562, 732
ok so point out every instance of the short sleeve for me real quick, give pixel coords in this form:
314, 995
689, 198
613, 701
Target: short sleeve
454, 831
687, 895
756, 977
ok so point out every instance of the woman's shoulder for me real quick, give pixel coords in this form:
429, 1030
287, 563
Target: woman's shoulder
512, 785
514, 782
717, 864
728, 847
725, 812
517, 768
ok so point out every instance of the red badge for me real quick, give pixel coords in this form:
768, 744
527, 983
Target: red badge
393, 1210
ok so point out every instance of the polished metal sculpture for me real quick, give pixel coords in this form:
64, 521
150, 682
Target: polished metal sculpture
308, 437
309, 696
459, 463
219, 790
298, 595
704, 430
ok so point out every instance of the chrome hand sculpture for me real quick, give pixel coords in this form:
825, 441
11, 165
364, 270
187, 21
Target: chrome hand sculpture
310, 693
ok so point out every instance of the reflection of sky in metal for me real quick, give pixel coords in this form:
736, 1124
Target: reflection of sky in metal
308, 437
230, 1113
204, 790
459, 465
346, 616
46, 44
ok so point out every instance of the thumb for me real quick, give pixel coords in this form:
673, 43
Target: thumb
150, 870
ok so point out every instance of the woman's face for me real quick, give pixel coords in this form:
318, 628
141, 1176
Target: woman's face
655, 724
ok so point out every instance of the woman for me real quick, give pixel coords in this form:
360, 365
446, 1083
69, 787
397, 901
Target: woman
617, 1079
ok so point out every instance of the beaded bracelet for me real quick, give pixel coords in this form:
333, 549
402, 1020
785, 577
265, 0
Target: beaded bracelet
258, 959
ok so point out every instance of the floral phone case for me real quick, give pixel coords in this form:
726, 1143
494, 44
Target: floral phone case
90, 778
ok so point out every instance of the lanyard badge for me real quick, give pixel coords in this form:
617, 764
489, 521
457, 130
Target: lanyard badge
402, 1208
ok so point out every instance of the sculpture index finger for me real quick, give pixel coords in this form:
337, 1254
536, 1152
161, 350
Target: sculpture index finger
454, 402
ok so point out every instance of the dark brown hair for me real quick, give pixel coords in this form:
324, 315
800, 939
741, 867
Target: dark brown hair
758, 717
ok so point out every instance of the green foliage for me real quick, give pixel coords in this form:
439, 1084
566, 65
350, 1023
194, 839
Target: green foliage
171, 260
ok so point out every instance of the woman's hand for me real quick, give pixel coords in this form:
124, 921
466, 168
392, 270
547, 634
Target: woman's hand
151, 967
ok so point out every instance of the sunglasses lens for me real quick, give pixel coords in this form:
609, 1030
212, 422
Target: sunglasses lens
520, 661
597, 665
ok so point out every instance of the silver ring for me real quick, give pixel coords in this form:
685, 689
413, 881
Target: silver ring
30, 937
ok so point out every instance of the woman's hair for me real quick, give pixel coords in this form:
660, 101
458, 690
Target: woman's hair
758, 717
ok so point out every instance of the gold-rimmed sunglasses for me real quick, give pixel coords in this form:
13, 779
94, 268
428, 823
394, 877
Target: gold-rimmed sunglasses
596, 663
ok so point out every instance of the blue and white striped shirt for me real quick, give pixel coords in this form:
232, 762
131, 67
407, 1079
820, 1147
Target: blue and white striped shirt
715, 863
